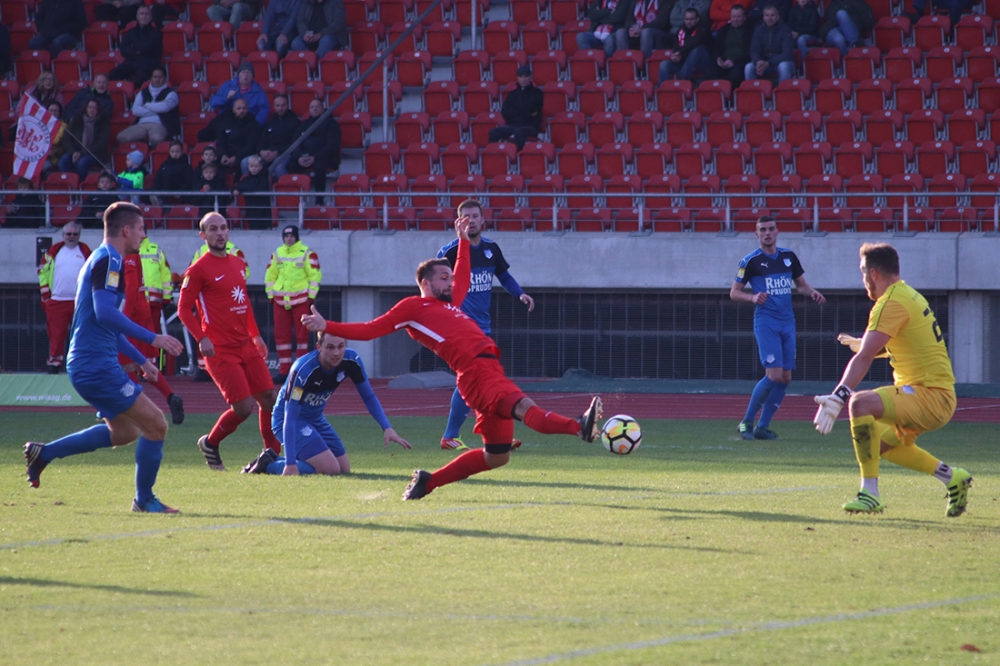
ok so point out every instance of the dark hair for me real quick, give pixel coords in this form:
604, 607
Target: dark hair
773, 6
425, 271
765, 218
470, 203
739, 7
882, 257
691, 10
158, 68
319, 337
280, 95
24, 181
175, 142
120, 214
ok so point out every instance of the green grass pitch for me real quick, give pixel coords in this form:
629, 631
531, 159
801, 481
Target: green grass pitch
697, 549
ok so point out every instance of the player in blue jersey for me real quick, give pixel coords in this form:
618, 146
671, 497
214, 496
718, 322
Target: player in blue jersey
487, 263
99, 334
298, 419
772, 272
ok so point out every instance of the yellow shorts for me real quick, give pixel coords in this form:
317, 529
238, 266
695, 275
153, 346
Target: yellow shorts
912, 410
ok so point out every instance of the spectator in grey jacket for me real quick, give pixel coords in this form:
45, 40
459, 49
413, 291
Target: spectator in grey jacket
642, 13
803, 21
321, 26
771, 49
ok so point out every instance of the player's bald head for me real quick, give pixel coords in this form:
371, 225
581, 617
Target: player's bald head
211, 218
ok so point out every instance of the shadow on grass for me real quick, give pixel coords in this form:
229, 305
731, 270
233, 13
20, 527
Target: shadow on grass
39, 582
548, 484
492, 536
848, 521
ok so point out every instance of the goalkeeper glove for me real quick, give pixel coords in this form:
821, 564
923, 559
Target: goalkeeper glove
829, 408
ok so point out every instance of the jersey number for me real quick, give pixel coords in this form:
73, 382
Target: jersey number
936, 326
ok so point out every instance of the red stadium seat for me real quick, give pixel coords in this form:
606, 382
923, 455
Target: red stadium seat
672, 96
644, 127
803, 127
723, 127
596, 97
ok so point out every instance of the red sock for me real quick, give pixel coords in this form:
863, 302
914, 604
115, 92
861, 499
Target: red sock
270, 441
162, 386
224, 427
462, 467
550, 423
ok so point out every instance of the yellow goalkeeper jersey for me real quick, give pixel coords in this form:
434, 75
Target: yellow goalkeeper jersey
917, 351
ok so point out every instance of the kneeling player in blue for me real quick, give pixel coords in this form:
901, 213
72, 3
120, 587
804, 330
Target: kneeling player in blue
772, 273
298, 420
99, 334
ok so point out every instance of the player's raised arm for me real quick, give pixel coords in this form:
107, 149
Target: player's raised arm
806, 290
831, 405
314, 320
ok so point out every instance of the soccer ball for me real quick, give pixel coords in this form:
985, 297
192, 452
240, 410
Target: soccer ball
621, 434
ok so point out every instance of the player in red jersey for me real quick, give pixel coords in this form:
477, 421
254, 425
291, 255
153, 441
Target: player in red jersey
137, 308
228, 338
435, 320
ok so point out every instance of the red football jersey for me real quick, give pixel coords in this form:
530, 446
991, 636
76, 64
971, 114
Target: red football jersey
441, 327
218, 287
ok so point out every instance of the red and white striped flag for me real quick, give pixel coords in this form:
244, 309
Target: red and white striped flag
35, 130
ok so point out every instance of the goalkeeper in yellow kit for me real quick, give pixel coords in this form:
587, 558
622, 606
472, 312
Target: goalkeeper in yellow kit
885, 422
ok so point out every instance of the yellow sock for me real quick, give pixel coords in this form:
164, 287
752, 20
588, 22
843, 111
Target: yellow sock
866, 445
912, 457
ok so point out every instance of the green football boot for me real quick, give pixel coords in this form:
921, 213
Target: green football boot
958, 492
865, 503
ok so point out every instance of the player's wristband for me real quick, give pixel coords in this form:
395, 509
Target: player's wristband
843, 392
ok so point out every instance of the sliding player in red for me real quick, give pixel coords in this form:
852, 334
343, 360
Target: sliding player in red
228, 338
435, 320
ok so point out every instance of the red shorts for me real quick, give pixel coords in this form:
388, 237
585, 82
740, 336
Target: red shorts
486, 389
239, 372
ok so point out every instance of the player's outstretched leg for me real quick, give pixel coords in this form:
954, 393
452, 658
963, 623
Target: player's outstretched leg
585, 427
418, 485
958, 492
33, 454
588, 421
85, 441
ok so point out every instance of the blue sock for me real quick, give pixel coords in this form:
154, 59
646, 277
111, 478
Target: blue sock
148, 454
757, 398
456, 417
771, 404
85, 441
278, 466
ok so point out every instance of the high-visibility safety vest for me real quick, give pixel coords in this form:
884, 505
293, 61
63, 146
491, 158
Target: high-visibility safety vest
293, 275
230, 248
155, 273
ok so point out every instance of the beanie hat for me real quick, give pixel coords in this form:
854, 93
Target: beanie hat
291, 229
136, 157
247, 66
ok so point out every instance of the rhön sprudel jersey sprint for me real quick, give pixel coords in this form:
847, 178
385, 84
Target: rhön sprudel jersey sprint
93, 348
774, 274
487, 261
311, 385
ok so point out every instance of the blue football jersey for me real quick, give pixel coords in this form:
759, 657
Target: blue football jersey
93, 348
311, 385
487, 261
774, 274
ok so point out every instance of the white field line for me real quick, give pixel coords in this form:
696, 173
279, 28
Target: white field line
367, 516
762, 627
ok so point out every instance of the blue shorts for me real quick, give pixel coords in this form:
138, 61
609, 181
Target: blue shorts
776, 343
111, 395
313, 439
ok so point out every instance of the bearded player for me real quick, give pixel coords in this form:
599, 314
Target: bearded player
228, 338
435, 320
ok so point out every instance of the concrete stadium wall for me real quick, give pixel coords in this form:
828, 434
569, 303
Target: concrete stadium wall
965, 265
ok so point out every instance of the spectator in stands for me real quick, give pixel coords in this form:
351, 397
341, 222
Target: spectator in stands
257, 209
238, 137
85, 142
209, 156
241, 87
134, 175
98, 91
5, 59
155, 110
26, 211
94, 205
732, 46
234, 11
208, 179
681, 6
57, 148
320, 151
521, 111
803, 21
955, 9
278, 134
321, 27
124, 11
174, 175
656, 33
691, 57
142, 48
642, 13
45, 90
846, 21
720, 11
278, 29
606, 18
771, 49
60, 24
